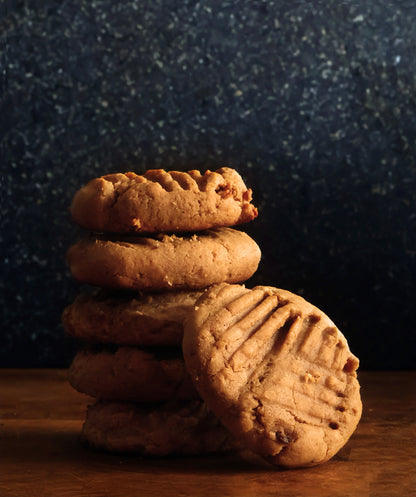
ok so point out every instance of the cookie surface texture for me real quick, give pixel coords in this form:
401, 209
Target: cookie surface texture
144, 320
131, 374
161, 201
170, 262
275, 370
158, 430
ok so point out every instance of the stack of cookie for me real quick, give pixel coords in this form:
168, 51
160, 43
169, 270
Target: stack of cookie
181, 356
156, 242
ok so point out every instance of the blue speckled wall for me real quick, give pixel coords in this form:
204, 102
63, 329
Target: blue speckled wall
313, 102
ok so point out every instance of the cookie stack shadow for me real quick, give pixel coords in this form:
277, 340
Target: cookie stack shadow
156, 242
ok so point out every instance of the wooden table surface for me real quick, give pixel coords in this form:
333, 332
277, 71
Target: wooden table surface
40, 455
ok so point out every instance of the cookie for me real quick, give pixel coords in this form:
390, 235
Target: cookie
167, 262
144, 320
187, 428
160, 201
131, 374
276, 370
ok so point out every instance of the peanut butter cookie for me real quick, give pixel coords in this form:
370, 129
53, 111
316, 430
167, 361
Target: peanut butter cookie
140, 319
167, 262
187, 428
131, 374
161, 201
275, 370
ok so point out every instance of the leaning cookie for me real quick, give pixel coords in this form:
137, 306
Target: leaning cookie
160, 201
186, 428
276, 371
139, 319
131, 374
168, 263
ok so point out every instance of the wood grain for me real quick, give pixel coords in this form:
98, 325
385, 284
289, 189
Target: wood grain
40, 454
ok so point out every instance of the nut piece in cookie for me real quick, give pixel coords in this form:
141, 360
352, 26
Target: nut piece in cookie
161, 201
275, 370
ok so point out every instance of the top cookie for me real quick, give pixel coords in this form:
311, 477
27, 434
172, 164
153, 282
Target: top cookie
160, 201
275, 370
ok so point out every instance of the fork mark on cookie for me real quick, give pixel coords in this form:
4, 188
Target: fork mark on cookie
237, 336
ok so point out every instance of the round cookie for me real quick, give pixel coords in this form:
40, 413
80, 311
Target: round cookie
170, 262
161, 201
187, 428
144, 320
275, 370
131, 374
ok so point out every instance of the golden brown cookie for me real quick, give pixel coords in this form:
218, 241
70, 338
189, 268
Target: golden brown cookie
186, 428
275, 370
131, 374
171, 262
139, 319
160, 201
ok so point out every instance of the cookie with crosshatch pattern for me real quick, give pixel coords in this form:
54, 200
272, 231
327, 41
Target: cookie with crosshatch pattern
276, 370
163, 201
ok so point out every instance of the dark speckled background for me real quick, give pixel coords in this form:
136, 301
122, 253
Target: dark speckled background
313, 102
